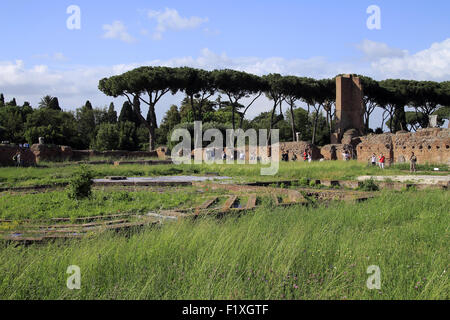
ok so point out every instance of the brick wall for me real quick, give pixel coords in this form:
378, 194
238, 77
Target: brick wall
7, 152
429, 146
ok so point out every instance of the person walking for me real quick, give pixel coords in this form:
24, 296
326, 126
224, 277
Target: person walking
18, 158
413, 161
382, 160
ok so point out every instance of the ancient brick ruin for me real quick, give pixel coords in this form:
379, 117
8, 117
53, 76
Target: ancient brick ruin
53, 153
349, 107
429, 145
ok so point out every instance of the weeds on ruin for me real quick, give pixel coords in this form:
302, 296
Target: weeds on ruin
368, 185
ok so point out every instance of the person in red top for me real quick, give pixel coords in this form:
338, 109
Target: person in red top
305, 156
382, 161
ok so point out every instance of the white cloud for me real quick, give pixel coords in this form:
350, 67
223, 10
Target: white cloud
76, 85
170, 19
430, 64
117, 30
376, 50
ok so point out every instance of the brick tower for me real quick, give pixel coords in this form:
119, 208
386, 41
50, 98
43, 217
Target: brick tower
349, 106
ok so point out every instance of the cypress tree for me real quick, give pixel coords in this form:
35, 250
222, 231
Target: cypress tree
54, 104
127, 113
112, 114
88, 105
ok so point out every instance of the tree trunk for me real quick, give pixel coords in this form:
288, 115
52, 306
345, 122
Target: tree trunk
294, 138
151, 140
400, 118
316, 117
232, 116
329, 122
271, 122
191, 98
241, 121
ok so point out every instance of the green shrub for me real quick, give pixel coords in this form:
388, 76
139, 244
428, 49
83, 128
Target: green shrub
303, 182
81, 183
368, 185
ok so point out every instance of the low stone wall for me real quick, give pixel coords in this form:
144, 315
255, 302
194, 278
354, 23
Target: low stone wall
51, 153
7, 152
86, 154
264, 153
298, 148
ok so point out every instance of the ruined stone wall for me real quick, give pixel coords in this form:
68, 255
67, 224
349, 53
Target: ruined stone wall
334, 151
86, 154
429, 145
298, 148
51, 153
377, 144
264, 153
7, 152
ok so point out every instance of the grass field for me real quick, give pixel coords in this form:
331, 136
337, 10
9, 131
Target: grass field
14, 177
56, 204
272, 253
298, 252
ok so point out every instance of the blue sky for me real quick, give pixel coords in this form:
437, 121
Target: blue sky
40, 55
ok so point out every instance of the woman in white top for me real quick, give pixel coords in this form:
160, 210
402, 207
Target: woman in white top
374, 159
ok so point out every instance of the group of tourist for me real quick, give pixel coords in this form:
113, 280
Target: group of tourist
346, 155
307, 156
382, 160
211, 154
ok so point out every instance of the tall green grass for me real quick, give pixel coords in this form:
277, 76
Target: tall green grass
56, 204
272, 253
